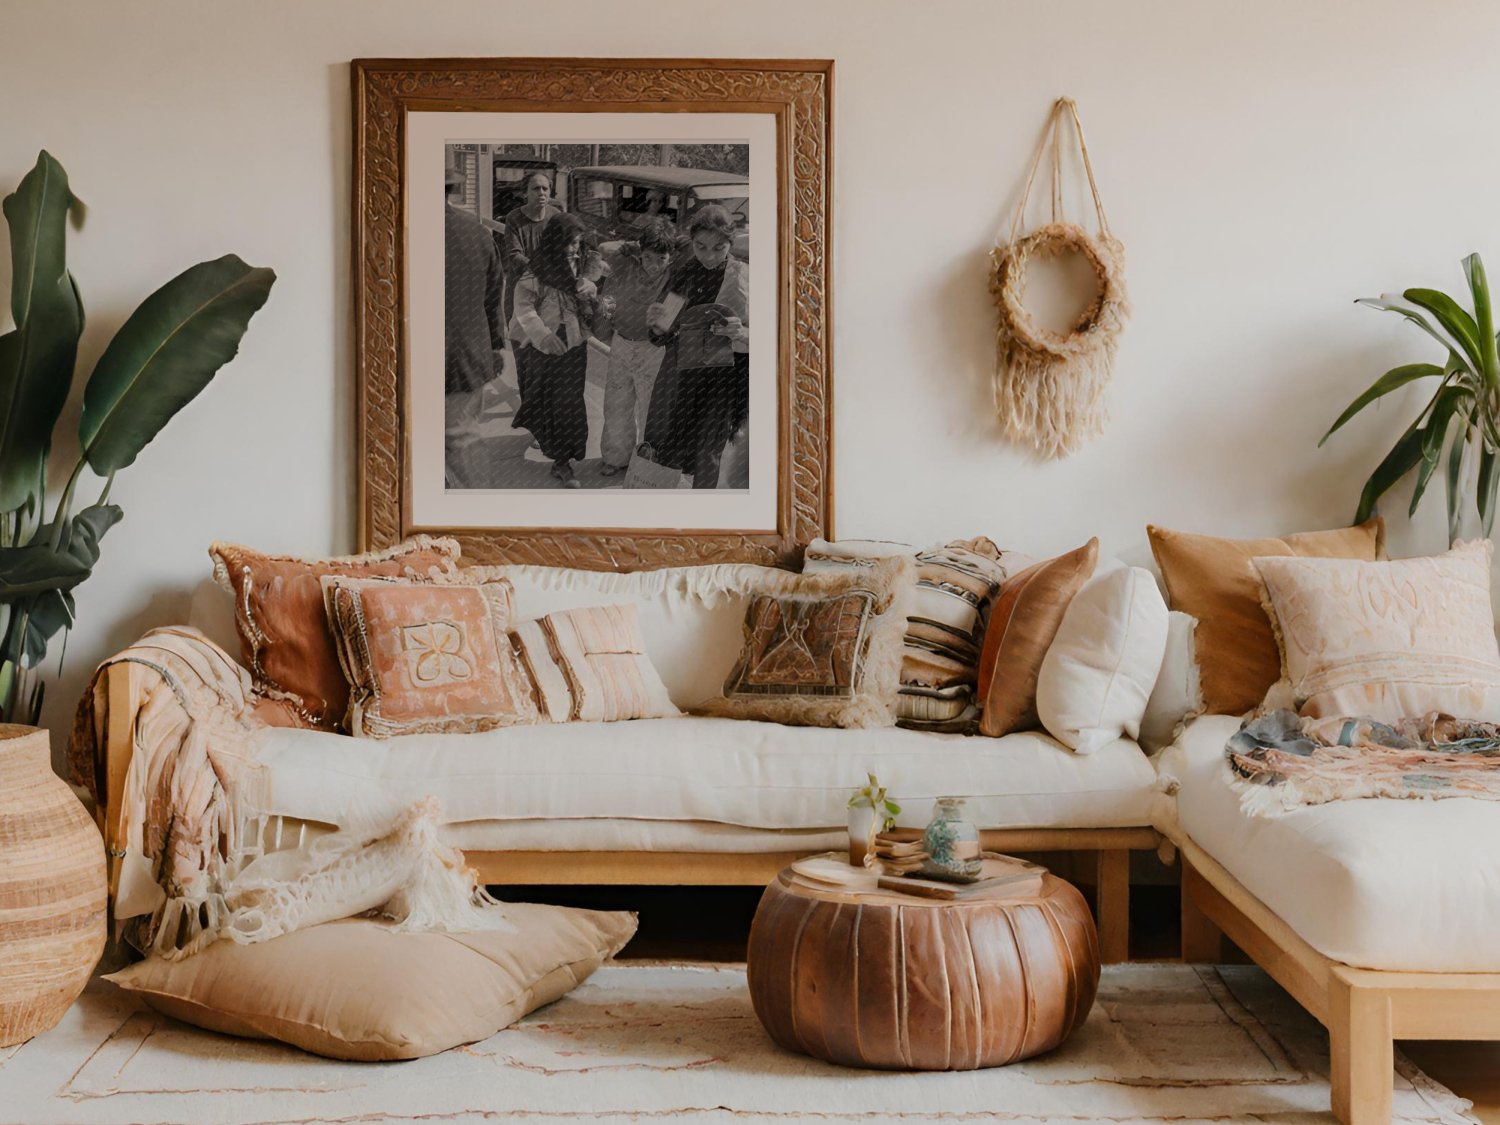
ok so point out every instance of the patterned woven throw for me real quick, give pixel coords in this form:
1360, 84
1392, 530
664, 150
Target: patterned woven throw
1280, 761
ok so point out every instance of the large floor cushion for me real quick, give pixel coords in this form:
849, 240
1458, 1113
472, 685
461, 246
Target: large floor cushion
729, 771
1379, 884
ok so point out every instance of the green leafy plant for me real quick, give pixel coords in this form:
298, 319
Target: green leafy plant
873, 796
162, 356
1457, 427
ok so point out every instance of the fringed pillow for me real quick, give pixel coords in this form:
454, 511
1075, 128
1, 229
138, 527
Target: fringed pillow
424, 657
285, 639
955, 587
823, 649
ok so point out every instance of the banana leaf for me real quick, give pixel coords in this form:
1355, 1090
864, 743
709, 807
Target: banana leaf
37, 356
1392, 380
35, 568
166, 353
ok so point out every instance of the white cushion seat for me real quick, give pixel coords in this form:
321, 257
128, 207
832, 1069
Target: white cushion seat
1404, 885
724, 771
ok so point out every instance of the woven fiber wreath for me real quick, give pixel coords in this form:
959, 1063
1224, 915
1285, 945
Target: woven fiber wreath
1049, 386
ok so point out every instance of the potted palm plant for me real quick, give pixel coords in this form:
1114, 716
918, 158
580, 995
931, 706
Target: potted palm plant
1457, 427
163, 355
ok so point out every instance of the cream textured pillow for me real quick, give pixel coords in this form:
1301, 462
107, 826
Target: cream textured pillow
590, 665
1099, 671
1177, 693
1390, 640
823, 650
355, 990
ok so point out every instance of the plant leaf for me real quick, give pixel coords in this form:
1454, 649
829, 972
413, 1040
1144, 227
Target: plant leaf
1484, 316
1393, 379
1455, 475
1454, 319
35, 568
1488, 479
1402, 458
1448, 402
1391, 302
168, 351
37, 356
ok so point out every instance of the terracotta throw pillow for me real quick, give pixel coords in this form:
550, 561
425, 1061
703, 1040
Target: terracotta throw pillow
823, 649
1026, 617
285, 639
356, 990
590, 665
1389, 640
1214, 580
426, 657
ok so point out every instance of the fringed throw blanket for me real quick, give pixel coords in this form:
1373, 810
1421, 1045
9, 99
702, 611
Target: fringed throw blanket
1281, 761
191, 843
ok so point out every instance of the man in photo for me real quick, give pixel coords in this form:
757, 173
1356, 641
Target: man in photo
637, 274
473, 323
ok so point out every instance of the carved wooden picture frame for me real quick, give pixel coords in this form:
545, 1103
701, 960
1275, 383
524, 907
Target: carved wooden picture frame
402, 108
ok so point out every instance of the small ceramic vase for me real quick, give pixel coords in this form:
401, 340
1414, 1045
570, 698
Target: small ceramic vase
951, 843
861, 832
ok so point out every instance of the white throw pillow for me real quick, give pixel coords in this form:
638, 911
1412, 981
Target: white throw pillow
1099, 672
1178, 694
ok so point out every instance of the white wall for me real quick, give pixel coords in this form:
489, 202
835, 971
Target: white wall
1264, 164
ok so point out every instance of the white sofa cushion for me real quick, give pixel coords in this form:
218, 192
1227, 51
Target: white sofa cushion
1101, 665
1379, 884
730, 771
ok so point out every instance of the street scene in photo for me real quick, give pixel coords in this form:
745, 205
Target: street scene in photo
596, 316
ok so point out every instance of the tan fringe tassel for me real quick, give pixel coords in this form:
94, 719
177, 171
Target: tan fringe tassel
1049, 386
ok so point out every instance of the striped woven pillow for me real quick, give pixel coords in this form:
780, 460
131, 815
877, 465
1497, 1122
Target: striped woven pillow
956, 583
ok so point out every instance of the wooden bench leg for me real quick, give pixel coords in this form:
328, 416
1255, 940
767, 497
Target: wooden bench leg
1112, 885
1202, 941
1361, 1052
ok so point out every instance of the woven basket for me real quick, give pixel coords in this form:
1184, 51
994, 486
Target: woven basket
52, 889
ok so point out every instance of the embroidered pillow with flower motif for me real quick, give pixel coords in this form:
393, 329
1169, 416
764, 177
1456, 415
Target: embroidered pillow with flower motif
427, 657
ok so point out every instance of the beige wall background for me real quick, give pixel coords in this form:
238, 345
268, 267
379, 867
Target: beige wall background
1264, 164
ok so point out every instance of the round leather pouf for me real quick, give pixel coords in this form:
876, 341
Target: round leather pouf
889, 980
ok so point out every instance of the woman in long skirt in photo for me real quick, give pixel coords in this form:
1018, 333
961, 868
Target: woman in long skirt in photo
554, 312
701, 400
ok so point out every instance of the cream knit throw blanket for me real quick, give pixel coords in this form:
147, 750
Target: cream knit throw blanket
191, 842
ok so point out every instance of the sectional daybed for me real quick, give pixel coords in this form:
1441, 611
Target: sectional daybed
691, 800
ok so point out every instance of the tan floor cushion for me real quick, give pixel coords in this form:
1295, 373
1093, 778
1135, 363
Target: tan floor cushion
357, 990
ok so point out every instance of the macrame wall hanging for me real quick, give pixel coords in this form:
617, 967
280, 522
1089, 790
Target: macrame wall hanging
1049, 386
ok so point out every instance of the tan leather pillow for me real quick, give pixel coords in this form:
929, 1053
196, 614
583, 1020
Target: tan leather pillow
1022, 625
427, 657
1214, 580
356, 990
285, 640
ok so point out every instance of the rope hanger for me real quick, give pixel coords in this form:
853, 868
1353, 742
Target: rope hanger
1049, 386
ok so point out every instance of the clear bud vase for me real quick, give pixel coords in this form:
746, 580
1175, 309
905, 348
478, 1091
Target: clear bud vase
951, 843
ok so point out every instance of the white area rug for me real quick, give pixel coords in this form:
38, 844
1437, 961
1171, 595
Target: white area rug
642, 1042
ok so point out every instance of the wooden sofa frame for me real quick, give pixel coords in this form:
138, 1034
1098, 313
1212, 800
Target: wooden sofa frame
1364, 1010
1111, 846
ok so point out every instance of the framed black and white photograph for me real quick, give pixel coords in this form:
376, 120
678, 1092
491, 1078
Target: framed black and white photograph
594, 300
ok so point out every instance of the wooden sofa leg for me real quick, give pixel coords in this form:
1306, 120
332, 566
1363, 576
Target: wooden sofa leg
1202, 941
1361, 1052
1112, 885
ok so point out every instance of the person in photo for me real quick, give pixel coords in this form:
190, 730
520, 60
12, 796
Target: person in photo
637, 274
473, 327
701, 400
523, 230
554, 315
